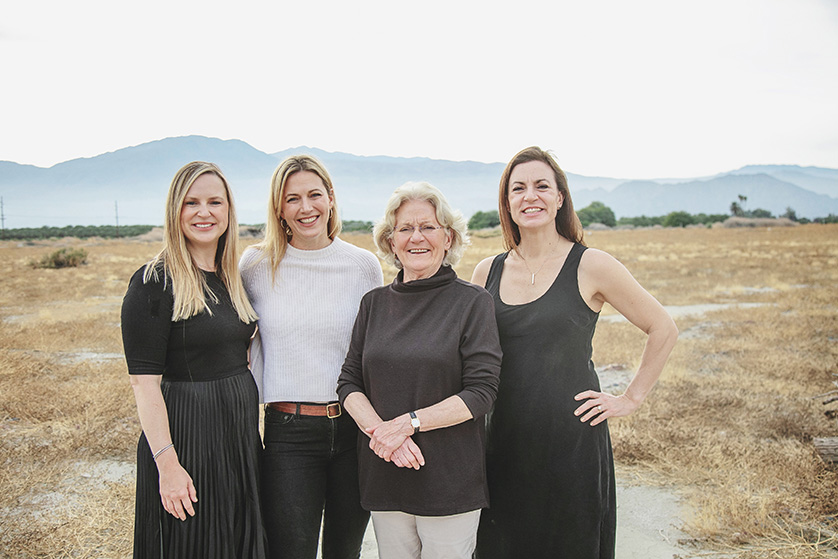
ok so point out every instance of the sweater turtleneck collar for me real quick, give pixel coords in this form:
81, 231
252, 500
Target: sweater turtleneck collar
443, 276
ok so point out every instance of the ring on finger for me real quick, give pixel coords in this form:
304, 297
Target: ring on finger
599, 408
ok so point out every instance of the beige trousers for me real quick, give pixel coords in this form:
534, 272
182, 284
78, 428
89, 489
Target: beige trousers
405, 536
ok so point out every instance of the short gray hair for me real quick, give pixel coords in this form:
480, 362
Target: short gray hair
447, 216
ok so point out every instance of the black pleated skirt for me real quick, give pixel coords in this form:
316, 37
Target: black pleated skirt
215, 429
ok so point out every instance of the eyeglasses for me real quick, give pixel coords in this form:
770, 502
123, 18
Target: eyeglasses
424, 230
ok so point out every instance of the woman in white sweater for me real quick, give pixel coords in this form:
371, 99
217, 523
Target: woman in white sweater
305, 284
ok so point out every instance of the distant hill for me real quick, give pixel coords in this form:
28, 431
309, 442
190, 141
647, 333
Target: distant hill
137, 178
84, 191
713, 196
816, 179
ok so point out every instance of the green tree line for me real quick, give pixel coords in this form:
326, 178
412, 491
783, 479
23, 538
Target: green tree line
79, 231
597, 212
112, 231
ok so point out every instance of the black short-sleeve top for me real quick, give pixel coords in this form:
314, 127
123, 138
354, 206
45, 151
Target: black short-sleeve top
203, 347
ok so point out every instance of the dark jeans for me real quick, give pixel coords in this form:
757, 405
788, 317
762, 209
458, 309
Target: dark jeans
309, 472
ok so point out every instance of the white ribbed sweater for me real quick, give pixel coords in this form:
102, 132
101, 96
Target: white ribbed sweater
306, 317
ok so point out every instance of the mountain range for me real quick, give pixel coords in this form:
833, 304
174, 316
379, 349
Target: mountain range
130, 185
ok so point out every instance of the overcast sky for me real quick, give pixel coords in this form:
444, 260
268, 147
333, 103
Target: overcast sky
640, 89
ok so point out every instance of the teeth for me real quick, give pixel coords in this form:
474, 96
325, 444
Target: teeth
418, 251
203, 225
532, 210
307, 220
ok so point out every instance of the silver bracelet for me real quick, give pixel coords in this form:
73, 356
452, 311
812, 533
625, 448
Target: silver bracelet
162, 450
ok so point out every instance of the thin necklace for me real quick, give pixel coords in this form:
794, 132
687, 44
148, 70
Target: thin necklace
532, 274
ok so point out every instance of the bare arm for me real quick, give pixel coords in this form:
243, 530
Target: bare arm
450, 411
602, 279
389, 435
361, 410
177, 491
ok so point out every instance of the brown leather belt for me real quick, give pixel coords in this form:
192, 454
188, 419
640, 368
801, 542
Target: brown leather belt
331, 411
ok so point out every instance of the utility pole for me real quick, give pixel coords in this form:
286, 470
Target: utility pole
116, 210
2, 220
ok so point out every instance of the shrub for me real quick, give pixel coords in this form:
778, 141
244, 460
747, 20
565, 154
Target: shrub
597, 212
706, 219
350, 225
642, 221
790, 214
757, 222
759, 212
677, 219
484, 220
63, 258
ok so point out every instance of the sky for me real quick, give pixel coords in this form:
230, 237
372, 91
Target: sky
641, 89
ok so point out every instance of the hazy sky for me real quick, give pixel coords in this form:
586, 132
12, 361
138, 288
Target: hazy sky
637, 89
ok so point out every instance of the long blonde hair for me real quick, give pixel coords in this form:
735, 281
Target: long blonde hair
277, 232
189, 285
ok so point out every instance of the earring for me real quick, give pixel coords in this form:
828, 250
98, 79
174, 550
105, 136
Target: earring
284, 225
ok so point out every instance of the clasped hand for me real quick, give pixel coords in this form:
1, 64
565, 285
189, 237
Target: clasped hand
391, 442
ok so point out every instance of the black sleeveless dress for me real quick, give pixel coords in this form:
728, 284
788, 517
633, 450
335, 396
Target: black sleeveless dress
551, 477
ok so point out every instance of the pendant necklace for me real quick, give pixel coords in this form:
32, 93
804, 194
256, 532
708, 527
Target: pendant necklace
532, 274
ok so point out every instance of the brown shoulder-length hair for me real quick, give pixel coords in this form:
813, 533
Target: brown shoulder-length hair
277, 232
567, 222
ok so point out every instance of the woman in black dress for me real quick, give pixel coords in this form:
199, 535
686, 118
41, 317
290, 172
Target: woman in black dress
186, 326
549, 461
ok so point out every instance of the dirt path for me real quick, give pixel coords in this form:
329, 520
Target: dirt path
649, 521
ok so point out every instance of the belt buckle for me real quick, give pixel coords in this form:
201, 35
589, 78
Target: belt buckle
329, 408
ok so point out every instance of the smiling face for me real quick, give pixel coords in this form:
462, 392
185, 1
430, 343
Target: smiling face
418, 241
533, 196
306, 204
204, 213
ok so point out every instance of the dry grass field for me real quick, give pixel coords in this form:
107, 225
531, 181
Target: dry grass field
730, 424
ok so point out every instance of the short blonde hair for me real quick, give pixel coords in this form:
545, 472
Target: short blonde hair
447, 216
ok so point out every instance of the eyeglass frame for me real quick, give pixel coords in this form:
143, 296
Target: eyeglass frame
424, 230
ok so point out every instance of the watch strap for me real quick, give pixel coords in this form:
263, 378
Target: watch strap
414, 421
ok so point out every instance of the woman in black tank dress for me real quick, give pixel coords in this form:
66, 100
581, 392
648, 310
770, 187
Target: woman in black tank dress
549, 461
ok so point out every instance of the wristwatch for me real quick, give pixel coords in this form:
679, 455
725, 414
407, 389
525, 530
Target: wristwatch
414, 421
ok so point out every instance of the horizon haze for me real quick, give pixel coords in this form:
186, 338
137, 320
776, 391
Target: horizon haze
131, 184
